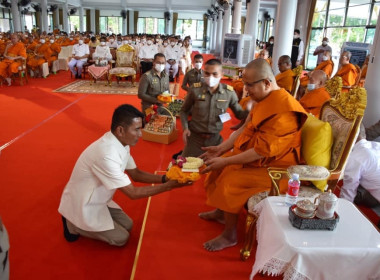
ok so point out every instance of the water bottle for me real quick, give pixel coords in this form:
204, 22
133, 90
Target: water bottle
293, 188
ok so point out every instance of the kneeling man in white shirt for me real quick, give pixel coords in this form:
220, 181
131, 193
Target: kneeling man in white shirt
361, 181
86, 206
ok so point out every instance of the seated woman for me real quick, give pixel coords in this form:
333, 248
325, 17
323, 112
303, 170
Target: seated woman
101, 56
102, 51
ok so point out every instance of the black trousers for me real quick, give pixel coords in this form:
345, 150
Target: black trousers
146, 66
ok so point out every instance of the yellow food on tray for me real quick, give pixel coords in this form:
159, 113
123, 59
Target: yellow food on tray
185, 169
166, 97
175, 173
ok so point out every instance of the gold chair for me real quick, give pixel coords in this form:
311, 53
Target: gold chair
344, 113
125, 64
296, 83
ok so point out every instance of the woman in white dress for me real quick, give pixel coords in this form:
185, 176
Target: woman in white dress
102, 52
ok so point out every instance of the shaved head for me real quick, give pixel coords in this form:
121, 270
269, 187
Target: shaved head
259, 69
319, 78
284, 63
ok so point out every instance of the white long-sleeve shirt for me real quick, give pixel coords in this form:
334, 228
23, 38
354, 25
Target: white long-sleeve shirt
363, 168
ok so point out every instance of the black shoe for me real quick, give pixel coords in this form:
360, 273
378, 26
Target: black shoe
66, 233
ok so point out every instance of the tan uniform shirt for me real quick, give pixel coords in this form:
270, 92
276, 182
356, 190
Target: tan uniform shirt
191, 77
206, 107
150, 86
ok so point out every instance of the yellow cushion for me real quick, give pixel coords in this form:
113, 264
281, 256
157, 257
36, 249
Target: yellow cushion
317, 140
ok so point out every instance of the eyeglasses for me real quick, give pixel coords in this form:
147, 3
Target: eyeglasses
253, 83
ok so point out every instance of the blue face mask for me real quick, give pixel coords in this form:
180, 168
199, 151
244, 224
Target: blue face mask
310, 87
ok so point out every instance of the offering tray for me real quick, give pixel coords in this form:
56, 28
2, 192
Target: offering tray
312, 222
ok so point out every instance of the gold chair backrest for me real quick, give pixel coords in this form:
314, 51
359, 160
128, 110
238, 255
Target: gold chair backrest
344, 113
125, 56
296, 83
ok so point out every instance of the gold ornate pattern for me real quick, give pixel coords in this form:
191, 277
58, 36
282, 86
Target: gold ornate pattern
351, 104
298, 70
334, 86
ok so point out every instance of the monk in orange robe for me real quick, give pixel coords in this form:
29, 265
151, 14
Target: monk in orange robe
42, 55
55, 50
3, 44
271, 137
348, 71
363, 72
286, 78
326, 66
15, 51
316, 94
264, 54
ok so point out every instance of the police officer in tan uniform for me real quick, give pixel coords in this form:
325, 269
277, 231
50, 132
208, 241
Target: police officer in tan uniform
195, 75
153, 83
207, 102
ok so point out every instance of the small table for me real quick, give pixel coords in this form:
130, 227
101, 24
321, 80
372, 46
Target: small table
97, 72
350, 251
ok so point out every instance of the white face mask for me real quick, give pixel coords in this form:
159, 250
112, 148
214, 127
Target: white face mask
134, 42
165, 44
324, 58
180, 44
198, 65
111, 40
125, 42
310, 87
211, 81
102, 43
42, 41
324, 43
57, 37
159, 67
71, 39
296, 36
80, 42
149, 42
172, 44
51, 41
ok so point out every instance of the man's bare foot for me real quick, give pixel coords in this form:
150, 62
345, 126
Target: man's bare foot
220, 242
214, 215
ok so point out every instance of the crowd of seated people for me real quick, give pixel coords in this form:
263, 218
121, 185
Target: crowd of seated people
37, 49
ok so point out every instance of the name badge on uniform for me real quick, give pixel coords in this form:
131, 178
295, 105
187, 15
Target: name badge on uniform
201, 97
225, 117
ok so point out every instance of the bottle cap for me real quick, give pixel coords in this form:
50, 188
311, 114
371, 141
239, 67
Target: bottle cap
295, 176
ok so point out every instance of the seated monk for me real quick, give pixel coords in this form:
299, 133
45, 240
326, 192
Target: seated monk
271, 136
347, 71
363, 72
316, 94
264, 54
3, 44
286, 78
326, 66
42, 55
14, 53
55, 49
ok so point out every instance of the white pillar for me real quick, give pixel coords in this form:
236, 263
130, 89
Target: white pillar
214, 33
252, 22
285, 19
81, 19
226, 24
15, 17
65, 17
372, 82
209, 29
92, 20
44, 16
56, 18
218, 39
236, 18
131, 22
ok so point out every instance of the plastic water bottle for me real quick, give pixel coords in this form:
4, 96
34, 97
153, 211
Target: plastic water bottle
293, 188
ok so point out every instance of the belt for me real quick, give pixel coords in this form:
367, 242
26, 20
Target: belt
205, 135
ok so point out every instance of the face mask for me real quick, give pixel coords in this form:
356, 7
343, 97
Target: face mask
129, 41
102, 43
138, 41
143, 40
310, 87
172, 44
57, 37
211, 81
80, 42
198, 65
42, 41
180, 44
71, 39
165, 44
159, 67
149, 43
26, 36
324, 58
296, 36
134, 42
51, 41
119, 42
125, 42
324, 43
111, 40
271, 42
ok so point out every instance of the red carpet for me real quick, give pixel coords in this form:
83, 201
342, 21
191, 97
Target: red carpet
42, 134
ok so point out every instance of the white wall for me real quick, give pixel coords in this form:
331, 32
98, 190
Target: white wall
110, 13
153, 14
190, 16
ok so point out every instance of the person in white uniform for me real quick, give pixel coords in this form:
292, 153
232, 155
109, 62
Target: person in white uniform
80, 54
172, 54
102, 52
86, 205
361, 181
4, 248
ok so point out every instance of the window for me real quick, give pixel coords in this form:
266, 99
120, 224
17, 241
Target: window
342, 21
5, 20
151, 25
190, 27
111, 25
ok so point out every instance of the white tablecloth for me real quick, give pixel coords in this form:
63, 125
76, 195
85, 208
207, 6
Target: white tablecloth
350, 251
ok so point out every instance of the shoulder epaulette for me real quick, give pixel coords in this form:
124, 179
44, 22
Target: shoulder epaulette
197, 85
230, 88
